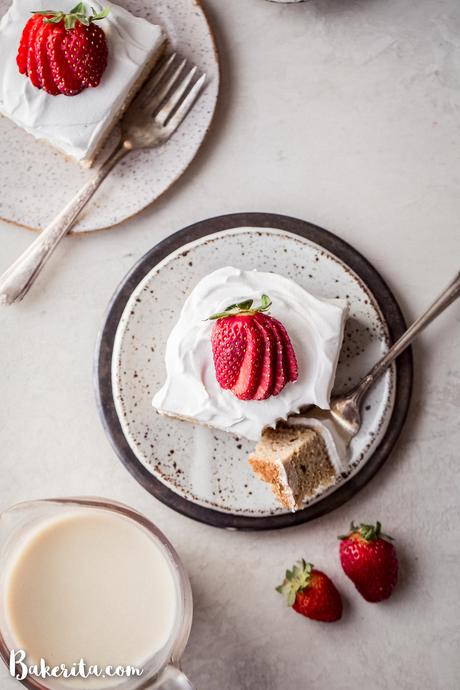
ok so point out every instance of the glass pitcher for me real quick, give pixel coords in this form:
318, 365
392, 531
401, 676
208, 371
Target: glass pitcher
160, 671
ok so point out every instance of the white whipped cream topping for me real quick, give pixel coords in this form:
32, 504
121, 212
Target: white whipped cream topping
191, 389
74, 124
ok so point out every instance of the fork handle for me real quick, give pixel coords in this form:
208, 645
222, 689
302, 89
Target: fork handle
20, 276
449, 295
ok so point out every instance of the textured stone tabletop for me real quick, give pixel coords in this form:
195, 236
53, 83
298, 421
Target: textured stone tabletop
345, 114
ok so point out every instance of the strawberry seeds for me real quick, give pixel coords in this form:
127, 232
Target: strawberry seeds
253, 354
63, 53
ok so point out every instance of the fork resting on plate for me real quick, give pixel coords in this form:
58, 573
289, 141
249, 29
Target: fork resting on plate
151, 119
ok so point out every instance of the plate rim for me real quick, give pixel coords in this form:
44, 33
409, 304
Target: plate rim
90, 231
103, 366
188, 248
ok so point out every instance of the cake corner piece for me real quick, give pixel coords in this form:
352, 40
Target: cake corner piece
65, 113
294, 462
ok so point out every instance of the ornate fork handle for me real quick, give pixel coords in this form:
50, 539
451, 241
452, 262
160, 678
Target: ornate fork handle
20, 276
345, 409
449, 295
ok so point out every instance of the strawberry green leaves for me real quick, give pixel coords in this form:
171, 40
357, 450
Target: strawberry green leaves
76, 14
367, 532
295, 581
244, 308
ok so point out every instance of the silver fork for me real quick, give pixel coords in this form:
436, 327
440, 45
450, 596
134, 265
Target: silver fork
150, 121
346, 409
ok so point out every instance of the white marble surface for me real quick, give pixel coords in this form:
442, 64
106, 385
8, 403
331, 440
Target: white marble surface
346, 114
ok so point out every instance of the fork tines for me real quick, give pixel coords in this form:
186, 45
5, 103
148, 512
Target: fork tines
172, 90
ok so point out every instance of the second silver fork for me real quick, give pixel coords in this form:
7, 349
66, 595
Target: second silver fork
151, 119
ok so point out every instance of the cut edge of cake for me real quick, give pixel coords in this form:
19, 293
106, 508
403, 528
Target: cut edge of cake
136, 87
295, 462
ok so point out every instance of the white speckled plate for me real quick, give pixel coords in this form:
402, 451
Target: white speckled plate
145, 175
201, 466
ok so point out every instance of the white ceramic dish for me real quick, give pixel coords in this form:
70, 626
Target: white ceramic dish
36, 167
209, 467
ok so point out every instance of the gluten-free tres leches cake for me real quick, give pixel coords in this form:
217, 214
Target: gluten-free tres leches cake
243, 361
269, 349
68, 74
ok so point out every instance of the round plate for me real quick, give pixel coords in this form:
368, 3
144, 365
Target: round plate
34, 166
204, 473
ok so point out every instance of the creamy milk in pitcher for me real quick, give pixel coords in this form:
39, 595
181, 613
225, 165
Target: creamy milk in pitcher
93, 581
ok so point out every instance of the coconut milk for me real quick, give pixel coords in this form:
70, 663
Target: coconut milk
90, 584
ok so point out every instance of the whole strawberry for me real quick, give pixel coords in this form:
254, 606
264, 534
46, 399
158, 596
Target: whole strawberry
370, 561
63, 53
311, 593
252, 351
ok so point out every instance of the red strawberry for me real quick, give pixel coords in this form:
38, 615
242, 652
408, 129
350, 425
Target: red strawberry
311, 593
280, 363
228, 348
248, 379
68, 82
86, 51
291, 358
265, 387
41, 59
253, 354
32, 67
370, 561
23, 50
63, 53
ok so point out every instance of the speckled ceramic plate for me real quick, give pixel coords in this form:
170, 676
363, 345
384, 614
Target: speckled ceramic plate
204, 473
145, 175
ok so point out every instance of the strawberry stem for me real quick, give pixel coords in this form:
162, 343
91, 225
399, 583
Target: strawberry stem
78, 14
366, 532
296, 580
245, 308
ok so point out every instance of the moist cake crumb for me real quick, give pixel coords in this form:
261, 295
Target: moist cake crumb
295, 462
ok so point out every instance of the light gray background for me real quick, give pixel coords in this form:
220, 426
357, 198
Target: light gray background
346, 114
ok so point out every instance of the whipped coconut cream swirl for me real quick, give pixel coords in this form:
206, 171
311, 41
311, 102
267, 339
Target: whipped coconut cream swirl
191, 390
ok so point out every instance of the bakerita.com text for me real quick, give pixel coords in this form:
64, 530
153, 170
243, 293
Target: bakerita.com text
20, 669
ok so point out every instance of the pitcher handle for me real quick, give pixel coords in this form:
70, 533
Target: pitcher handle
172, 678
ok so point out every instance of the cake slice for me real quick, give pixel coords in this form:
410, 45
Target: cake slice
295, 462
79, 123
249, 349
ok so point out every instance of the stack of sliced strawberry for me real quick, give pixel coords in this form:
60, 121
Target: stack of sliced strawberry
63, 53
252, 351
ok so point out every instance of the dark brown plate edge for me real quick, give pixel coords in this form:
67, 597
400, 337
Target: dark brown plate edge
103, 365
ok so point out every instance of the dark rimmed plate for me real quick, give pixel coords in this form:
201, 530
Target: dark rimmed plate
152, 475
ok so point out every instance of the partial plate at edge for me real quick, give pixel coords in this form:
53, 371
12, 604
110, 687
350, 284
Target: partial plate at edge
142, 177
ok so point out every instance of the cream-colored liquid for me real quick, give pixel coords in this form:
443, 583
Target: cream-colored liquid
94, 585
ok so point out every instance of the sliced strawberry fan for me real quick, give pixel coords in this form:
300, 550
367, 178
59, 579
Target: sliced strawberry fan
64, 53
253, 354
